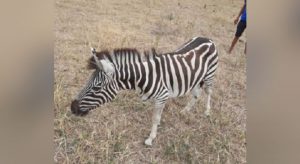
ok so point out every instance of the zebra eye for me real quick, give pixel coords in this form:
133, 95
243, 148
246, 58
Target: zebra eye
97, 88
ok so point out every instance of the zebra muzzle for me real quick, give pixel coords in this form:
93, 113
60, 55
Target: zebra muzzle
76, 109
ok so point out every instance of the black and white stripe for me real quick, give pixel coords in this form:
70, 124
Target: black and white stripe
156, 76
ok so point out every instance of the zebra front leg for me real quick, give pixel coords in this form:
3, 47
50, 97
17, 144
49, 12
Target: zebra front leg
157, 111
208, 91
196, 93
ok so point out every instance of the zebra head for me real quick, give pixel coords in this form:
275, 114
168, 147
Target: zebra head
100, 88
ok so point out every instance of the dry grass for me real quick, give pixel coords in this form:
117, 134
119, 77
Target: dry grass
115, 132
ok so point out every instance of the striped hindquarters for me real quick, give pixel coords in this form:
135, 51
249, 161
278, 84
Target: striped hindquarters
192, 64
212, 66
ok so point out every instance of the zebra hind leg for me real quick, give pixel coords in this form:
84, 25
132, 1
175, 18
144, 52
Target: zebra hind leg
208, 91
196, 93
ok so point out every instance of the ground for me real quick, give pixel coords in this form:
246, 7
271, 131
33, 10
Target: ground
115, 132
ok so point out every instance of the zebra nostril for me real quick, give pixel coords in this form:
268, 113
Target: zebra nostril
75, 107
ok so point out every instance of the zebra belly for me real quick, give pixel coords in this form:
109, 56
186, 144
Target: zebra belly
176, 92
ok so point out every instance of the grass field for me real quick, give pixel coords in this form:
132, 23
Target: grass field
115, 132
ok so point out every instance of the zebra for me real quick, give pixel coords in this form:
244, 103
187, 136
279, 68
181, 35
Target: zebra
156, 76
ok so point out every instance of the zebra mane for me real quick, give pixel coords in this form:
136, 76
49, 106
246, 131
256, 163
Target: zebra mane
116, 54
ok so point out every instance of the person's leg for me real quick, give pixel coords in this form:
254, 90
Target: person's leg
239, 31
235, 39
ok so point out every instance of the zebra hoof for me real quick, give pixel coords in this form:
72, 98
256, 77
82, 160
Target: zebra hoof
186, 109
207, 113
148, 142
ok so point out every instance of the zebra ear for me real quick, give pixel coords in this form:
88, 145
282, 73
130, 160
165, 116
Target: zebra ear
107, 66
98, 63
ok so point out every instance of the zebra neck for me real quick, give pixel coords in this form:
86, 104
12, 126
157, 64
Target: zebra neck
132, 70
133, 76
126, 76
